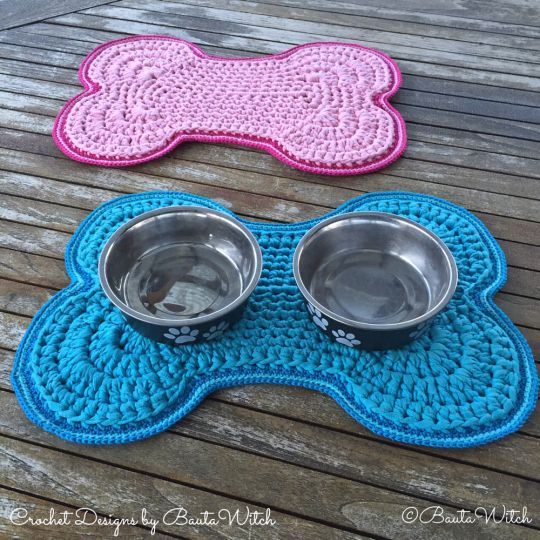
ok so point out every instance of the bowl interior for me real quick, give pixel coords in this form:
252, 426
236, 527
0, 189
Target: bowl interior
180, 263
375, 269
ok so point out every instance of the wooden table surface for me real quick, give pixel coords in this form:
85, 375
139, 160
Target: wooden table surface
470, 98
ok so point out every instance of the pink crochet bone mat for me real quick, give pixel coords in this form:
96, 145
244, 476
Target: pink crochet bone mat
320, 107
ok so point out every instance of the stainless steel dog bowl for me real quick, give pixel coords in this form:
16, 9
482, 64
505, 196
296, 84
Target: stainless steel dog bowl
180, 274
373, 280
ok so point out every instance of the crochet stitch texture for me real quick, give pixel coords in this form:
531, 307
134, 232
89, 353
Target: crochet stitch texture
320, 107
82, 373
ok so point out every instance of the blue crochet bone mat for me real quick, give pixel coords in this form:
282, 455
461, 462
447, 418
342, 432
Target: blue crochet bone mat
82, 373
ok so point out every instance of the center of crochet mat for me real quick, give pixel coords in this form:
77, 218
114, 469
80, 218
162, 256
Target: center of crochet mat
83, 373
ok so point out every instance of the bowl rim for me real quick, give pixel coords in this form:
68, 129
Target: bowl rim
142, 317
447, 296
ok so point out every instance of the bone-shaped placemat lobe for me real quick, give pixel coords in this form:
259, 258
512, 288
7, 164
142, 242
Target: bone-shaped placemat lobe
320, 107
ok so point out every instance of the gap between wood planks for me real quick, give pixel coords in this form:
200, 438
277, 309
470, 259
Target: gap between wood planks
200, 428
277, 30
40, 507
416, 15
83, 22
255, 15
268, 207
104, 195
203, 36
431, 108
217, 160
62, 67
32, 123
22, 12
51, 34
265, 185
371, 22
135, 488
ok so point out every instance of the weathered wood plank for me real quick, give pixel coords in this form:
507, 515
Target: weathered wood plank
334, 494
494, 203
30, 239
522, 310
13, 328
40, 270
317, 408
39, 55
394, 177
521, 255
466, 123
363, 23
42, 214
33, 87
413, 47
451, 15
236, 39
48, 189
253, 430
54, 44
80, 482
6, 365
225, 23
16, 510
82, 40
38, 71
23, 12
22, 298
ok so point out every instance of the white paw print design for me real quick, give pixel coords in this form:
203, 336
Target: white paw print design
184, 335
420, 330
216, 331
345, 338
317, 317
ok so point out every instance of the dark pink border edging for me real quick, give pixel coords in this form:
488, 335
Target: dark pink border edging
244, 140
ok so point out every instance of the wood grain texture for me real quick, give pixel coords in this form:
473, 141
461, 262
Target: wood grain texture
470, 100
515, 17
23, 12
18, 509
362, 20
238, 37
250, 14
338, 499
